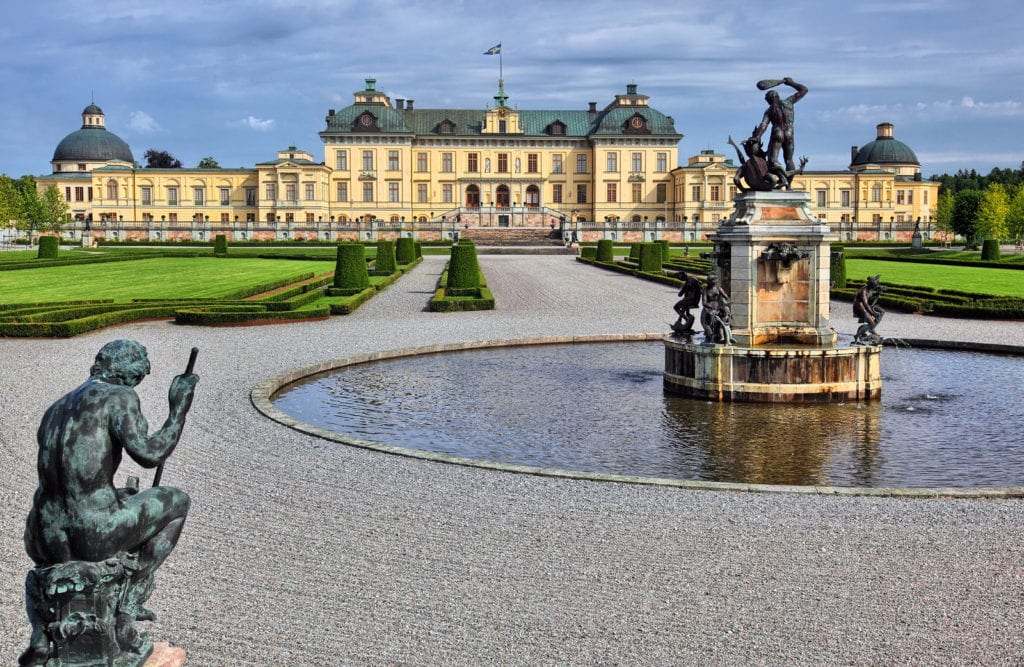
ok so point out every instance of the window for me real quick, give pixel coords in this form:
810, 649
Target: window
502, 163
901, 197
67, 193
172, 217
289, 192
876, 218
638, 162
79, 194
225, 196
249, 217
421, 193
613, 192
876, 192
502, 126
556, 164
111, 189
581, 163
392, 160
844, 197
271, 192
446, 193
172, 195
393, 192
556, 193
662, 193
446, 163
310, 192
421, 162
662, 161
289, 217
910, 197
822, 197
471, 162
147, 217
309, 217
581, 193
695, 193
924, 198
716, 193
81, 166
341, 160
613, 162
638, 193
531, 163
250, 196
342, 191
368, 191
367, 160
89, 194
145, 191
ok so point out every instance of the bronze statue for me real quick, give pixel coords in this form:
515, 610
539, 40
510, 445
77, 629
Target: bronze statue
780, 117
868, 312
716, 315
96, 546
690, 293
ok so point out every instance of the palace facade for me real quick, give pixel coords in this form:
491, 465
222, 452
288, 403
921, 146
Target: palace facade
390, 168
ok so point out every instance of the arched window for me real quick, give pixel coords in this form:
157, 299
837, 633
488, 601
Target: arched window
473, 196
502, 196
532, 196
111, 189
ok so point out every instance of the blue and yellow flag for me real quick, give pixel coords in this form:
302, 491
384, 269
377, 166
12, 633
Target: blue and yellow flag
494, 50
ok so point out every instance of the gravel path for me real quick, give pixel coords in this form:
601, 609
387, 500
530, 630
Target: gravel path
299, 551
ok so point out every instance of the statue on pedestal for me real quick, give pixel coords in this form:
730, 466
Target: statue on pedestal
96, 546
868, 312
690, 293
716, 315
760, 169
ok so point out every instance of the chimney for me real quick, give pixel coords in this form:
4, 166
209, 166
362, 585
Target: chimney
330, 112
399, 103
853, 154
593, 107
408, 105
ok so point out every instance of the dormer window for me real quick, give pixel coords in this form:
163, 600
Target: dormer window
366, 122
446, 127
637, 124
557, 128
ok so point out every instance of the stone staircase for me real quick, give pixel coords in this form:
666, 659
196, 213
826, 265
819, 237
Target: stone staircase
516, 241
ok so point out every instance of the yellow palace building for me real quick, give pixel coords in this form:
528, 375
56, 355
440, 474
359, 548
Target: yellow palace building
390, 168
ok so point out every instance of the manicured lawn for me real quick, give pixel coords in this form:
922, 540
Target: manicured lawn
997, 282
157, 278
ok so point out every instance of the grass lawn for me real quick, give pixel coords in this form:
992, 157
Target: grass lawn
157, 278
997, 282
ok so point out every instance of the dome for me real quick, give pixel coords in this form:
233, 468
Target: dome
92, 144
885, 149
92, 109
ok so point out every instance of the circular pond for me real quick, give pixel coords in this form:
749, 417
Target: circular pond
945, 418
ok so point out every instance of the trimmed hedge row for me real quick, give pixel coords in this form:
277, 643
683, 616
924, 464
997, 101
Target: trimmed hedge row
940, 302
217, 315
467, 299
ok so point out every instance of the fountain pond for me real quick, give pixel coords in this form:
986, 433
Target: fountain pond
946, 419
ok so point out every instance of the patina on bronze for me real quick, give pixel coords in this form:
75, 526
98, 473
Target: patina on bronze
762, 170
96, 546
868, 312
690, 293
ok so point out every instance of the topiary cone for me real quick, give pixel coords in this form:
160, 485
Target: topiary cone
350, 267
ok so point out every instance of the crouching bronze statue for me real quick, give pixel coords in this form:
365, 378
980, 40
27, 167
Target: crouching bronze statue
96, 546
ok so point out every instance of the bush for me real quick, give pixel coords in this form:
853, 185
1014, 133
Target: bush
220, 245
419, 249
634, 252
650, 257
989, 249
463, 270
664, 249
385, 264
405, 250
350, 267
588, 252
48, 247
605, 251
837, 267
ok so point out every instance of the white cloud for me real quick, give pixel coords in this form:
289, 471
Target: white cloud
253, 123
143, 123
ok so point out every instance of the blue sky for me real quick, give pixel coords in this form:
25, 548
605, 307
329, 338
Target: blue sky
241, 80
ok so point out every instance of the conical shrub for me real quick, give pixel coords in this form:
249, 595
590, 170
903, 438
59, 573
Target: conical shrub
385, 264
405, 250
48, 247
350, 267
650, 257
463, 269
605, 251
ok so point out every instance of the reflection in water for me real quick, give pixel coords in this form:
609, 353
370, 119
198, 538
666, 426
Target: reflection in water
600, 408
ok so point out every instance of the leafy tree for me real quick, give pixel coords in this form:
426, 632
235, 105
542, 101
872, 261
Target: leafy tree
966, 204
10, 200
54, 208
944, 211
1015, 213
208, 163
161, 160
995, 205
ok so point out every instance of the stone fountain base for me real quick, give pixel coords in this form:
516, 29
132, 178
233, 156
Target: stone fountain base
772, 374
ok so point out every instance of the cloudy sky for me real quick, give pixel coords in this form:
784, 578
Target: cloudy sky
239, 81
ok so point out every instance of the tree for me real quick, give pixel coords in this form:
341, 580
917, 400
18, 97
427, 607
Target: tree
10, 200
944, 211
54, 208
991, 220
965, 214
208, 163
1015, 214
161, 160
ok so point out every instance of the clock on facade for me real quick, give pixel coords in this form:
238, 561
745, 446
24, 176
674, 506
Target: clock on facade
366, 120
637, 122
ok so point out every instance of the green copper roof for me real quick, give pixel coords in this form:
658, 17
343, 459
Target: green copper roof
885, 150
92, 144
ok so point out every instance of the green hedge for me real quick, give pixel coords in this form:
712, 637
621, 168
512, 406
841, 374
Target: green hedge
405, 250
350, 271
634, 252
605, 250
650, 257
246, 315
664, 249
48, 247
220, 245
385, 263
588, 252
463, 269
989, 250
837, 267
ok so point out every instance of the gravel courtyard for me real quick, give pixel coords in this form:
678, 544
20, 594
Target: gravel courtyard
300, 551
